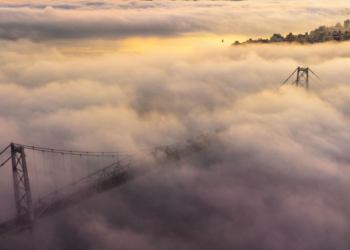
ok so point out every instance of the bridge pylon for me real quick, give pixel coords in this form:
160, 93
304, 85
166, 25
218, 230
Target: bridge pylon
23, 195
302, 78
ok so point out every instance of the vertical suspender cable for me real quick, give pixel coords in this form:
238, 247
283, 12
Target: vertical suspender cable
45, 168
87, 158
36, 176
81, 163
103, 158
98, 163
71, 166
64, 169
54, 170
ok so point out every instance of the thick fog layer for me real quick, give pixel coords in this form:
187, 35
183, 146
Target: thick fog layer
117, 20
277, 175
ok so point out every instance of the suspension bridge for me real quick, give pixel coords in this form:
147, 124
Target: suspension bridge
47, 181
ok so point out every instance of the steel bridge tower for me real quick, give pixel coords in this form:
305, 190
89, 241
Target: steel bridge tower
302, 79
24, 208
23, 196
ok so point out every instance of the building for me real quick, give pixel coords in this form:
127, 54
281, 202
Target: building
322, 34
290, 38
260, 40
346, 36
277, 38
347, 24
338, 36
328, 37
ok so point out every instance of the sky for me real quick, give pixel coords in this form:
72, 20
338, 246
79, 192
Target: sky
129, 75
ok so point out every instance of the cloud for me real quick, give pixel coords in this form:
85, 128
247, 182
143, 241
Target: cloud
119, 20
275, 178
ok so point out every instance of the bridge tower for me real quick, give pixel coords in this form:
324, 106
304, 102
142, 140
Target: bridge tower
23, 196
302, 78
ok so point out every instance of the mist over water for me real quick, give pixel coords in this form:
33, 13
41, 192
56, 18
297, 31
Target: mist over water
276, 176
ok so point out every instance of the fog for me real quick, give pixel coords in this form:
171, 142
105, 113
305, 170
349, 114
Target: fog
278, 173
119, 20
